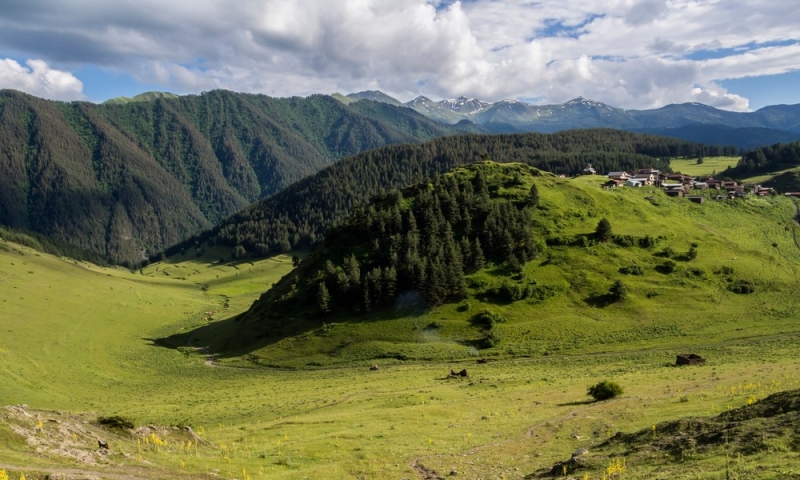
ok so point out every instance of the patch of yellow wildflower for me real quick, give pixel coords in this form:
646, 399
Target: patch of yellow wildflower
614, 469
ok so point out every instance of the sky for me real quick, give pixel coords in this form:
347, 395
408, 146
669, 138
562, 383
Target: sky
638, 54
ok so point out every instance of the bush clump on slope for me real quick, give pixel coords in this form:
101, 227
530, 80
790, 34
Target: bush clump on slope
605, 390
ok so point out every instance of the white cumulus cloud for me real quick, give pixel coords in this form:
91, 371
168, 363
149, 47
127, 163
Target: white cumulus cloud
631, 53
38, 78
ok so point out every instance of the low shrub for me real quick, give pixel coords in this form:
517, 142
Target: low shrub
632, 270
667, 252
725, 271
605, 390
647, 241
742, 286
697, 272
490, 340
487, 319
668, 267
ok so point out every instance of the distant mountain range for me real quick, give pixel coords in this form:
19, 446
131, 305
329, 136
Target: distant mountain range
688, 121
132, 176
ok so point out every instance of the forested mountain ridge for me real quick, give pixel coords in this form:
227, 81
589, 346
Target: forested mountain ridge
746, 138
127, 179
300, 214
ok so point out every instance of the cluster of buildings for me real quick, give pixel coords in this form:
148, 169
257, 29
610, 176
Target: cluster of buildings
679, 185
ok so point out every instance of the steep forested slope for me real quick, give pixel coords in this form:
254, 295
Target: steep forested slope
767, 159
300, 214
126, 178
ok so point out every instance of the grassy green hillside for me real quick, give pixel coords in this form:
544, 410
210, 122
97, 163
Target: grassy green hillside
673, 299
710, 165
126, 179
79, 343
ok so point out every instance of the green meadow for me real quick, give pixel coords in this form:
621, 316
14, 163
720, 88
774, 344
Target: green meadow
80, 342
710, 165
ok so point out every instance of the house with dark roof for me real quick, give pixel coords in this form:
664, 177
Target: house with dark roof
618, 175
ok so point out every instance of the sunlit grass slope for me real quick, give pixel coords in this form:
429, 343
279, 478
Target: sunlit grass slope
676, 301
76, 338
710, 165
72, 330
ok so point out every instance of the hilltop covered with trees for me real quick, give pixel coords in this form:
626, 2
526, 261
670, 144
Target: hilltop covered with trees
300, 215
424, 238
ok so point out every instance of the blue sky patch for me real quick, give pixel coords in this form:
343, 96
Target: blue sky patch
556, 28
766, 89
99, 85
727, 52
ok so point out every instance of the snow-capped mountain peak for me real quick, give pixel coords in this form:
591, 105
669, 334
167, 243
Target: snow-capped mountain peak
586, 103
465, 105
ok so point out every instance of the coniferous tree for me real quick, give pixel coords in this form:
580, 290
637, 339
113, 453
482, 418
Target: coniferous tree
478, 260
533, 196
323, 298
389, 288
603, 231
618, 291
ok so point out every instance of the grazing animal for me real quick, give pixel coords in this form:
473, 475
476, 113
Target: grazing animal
373, 367
462, 373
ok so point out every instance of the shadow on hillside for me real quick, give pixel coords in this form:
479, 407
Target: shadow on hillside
220, 256
575, 403
241, 335
209, 262
600, 301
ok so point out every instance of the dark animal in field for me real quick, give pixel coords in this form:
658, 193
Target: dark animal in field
102, 444
373, 367
689, 359
462, 373
482, 360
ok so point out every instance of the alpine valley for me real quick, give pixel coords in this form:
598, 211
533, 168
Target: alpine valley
236, 286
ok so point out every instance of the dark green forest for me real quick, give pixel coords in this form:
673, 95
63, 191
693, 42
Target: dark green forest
771, 159
299, 215
766, 159
126, 179
424, 239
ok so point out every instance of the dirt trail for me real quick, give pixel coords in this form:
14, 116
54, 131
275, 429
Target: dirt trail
211, 359
204, 350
